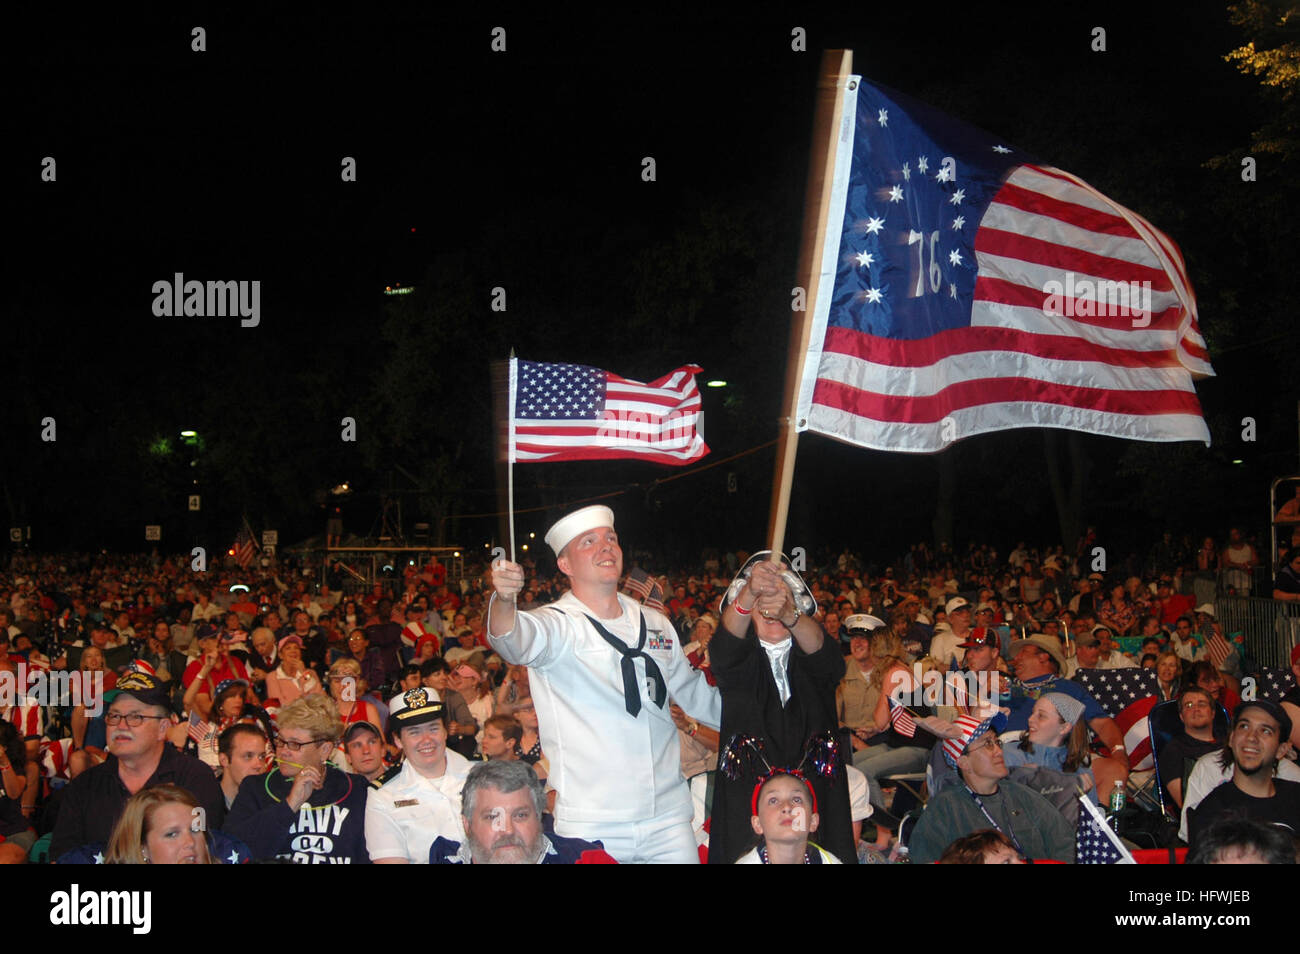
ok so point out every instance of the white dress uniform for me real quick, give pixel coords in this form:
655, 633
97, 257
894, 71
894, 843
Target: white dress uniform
406, 814
618, 776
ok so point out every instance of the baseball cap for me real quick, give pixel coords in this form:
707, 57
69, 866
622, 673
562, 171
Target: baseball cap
956, 603
566, 528
1273, 709
1207, 609
291, 638
141, 686
357, 728
225, 684
981, 636
415, 707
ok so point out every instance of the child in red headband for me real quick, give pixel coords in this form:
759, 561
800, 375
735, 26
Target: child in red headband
784, 814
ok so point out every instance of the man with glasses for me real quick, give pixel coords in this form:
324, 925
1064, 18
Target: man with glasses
1260, 732
987, 799
422, 801
139, 757
1196, 711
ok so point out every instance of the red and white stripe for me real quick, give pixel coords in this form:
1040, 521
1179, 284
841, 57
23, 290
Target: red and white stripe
1132, 721
1016, 365
658, 421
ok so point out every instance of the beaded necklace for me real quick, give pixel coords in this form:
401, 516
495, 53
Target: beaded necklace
267, 785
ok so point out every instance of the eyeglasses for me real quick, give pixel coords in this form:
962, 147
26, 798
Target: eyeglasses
133, 719
296, 746
992, 743
1196, 704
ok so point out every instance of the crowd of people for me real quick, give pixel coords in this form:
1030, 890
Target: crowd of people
553, 712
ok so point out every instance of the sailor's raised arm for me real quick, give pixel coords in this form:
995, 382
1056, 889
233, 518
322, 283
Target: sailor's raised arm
518, 637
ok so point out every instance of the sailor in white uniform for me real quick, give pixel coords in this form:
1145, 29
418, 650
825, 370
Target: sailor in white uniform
602, 669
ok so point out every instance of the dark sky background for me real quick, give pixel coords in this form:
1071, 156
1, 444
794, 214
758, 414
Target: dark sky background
522, 170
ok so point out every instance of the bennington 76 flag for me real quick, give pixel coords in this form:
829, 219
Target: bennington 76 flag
967, 288
576, 412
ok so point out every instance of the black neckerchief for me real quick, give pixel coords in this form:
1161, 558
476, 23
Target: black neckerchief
632, 691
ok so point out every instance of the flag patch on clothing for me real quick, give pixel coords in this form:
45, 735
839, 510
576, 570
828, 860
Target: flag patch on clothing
657, 640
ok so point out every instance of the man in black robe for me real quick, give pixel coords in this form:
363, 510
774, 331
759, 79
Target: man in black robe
777, 678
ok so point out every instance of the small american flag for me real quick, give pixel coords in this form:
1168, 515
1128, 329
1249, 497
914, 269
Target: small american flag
639, 583
243, 548
1094, 842
901, 719
575, 412
645, 587
957, 694
198, 729
1219, 650
967, 289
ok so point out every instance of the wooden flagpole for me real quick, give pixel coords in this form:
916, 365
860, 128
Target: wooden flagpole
835, 68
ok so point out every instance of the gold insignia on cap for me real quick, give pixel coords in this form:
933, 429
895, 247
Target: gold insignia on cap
416, 698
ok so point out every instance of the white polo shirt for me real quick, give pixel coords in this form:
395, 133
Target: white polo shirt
407, 813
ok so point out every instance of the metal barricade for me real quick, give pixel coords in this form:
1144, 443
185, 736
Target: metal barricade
1270, 627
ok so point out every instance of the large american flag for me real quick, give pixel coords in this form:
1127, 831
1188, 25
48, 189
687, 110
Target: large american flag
575, 412
959, 294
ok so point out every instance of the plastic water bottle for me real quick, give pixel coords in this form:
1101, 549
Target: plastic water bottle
1118, 799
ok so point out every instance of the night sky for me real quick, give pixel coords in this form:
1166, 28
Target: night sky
478, 169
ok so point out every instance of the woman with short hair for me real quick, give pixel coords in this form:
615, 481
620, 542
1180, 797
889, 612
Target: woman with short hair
304, 810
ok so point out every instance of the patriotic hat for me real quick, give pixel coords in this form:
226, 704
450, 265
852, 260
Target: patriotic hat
415, 707
580, 521
981, 636
971, 729
139, 665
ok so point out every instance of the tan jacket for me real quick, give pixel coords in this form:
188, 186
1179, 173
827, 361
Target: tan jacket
855, 699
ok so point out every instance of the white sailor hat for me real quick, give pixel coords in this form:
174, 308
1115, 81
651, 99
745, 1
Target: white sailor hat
863, 624
566, 528
415, 707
